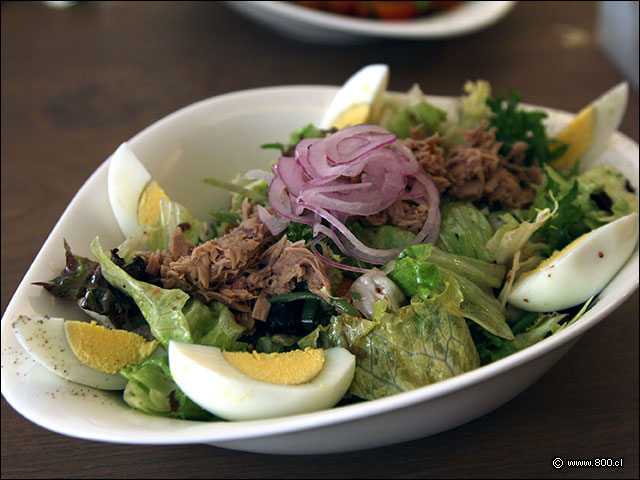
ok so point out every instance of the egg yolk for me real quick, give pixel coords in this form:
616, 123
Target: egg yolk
149, 204
104, 349
290, 368
578, 135
354, 115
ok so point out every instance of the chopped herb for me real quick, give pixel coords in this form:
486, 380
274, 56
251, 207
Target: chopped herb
514, 124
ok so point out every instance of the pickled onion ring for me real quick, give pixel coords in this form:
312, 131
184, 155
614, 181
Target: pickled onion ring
357, 171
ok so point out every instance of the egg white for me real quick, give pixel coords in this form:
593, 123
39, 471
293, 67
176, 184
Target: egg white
45, 340
210, 381
126, 180
581, 272
365, 87
609, 109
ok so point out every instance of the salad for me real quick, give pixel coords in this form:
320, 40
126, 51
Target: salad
373, 258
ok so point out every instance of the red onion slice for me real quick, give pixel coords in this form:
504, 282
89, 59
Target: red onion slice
359, 171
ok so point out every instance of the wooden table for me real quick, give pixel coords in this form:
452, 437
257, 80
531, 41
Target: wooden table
77, 82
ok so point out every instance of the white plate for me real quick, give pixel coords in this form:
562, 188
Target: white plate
221, 137
313, 25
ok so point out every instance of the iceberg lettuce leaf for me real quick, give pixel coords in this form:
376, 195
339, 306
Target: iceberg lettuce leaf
481, 306
417, 273
398, 350
473, 108
610, 195
213, 325
158, 236
386, 237
423, 116
484, 274
152, 389
513, 235
413, 274
464, 230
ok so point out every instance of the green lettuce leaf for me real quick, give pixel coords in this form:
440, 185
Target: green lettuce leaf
422, 115
514, 235
419, 344
473, 107
386, 237
610, 195
214, 325
383, 237
151, 389
484, 274
481, 306
529, 328
171, 313
173, 214
416, 273
464, 230
413, 274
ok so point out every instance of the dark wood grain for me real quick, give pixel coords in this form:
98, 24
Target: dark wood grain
77, 82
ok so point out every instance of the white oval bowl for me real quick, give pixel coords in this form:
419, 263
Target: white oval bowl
220, 137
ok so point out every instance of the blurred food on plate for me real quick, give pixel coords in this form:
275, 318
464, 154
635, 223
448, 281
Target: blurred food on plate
382, 10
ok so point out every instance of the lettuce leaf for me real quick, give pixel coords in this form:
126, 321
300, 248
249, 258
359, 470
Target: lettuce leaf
82, 281
413, 274
213, 325
423, 115
151, 389
584, 202
417, 273
529, 329
473, 108
384, 237
464, 230
398, 350
611, 196
171, 313
514, 235
484, 274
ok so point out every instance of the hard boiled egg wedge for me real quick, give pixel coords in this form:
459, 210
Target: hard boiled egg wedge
133, 194
251, 386
81, 352
359, 99
589, 132
578, 271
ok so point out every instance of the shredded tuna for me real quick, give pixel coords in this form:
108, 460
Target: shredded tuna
404, 214
239, 269
158, 261
473, 171
430, 155
287, 263
261, 307
478, 172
